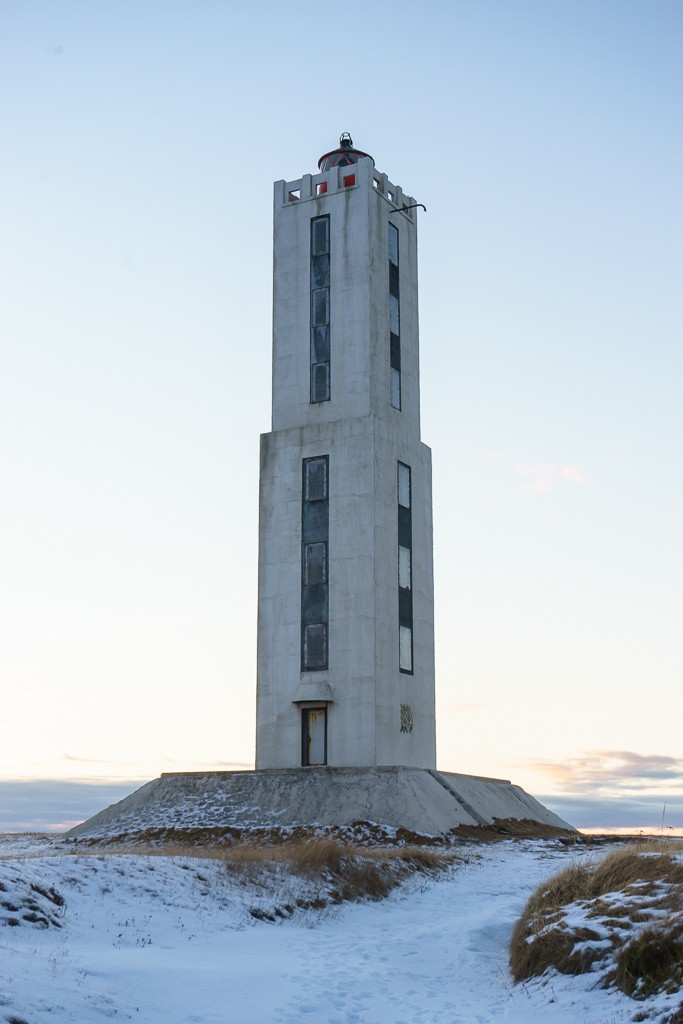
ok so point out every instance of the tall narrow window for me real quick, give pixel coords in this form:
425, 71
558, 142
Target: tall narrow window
405, 568
394, 321
315, 518
320, 309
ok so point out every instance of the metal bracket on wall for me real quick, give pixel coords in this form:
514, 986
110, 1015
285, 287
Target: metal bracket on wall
414, 205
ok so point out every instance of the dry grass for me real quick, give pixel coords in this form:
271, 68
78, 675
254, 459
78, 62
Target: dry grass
627, 889
555, 947
515, 828
352, 873
644, 864
312, 854
652, 961
358, 833
342, 872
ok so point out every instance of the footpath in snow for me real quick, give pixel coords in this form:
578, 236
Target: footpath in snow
173, 941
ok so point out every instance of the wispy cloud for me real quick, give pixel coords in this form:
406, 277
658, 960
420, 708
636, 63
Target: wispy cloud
48, 805
543, 476
623, 814
537, 469
460, 709
608, 789
90, 760
113, 770
74, 767
614, 772
210, 766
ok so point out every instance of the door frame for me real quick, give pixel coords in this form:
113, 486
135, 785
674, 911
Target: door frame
305, 751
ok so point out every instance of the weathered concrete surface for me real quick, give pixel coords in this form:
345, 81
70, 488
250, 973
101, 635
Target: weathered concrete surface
421, 800
364, 438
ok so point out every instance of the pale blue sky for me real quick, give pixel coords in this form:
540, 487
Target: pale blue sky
140, 145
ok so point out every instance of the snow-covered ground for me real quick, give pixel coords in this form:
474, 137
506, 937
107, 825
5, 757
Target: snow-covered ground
174, 941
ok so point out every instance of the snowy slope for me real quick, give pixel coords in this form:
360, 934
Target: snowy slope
174, 941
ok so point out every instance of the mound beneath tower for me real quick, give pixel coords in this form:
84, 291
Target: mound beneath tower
231, 804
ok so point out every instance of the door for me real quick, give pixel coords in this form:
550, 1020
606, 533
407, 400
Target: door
314, 736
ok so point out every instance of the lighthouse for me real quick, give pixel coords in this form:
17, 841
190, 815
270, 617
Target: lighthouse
345, 673
345, 729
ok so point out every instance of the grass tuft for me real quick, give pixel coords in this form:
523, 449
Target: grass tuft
647, 863
631, 906
553, 947
652, 961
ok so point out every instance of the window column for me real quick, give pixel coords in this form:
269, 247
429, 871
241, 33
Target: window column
405, 569
320, 309
315, 519
394, 320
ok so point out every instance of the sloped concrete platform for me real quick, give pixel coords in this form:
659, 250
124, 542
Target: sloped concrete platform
417, 799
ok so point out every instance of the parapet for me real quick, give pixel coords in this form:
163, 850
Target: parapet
339, 179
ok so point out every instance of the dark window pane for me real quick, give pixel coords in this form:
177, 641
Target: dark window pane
320, 344
315, 521
405, 607
320, 382
405, 529
314, 603
320, 236
320, 271
320, 306
393, 279
315, 646
316, 480
315, 563
393, 244
395, 345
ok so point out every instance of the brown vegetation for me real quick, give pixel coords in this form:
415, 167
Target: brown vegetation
516, 828
652, 961
630, 909
341, 872
359, 833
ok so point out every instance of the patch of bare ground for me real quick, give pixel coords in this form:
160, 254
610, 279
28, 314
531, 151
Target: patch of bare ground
366, 834
621, 916
515, 828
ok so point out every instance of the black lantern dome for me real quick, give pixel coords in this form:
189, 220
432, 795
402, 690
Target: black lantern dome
344, 156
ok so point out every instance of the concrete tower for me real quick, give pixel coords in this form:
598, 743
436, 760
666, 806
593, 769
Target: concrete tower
346, 602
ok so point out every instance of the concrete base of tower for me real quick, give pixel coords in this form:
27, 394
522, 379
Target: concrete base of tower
417, 800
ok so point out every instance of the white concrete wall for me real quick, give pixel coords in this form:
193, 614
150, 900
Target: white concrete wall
364, 438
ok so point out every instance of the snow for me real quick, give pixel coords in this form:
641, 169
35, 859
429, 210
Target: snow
173, 940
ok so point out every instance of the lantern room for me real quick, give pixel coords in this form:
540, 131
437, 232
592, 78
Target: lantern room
343, 156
